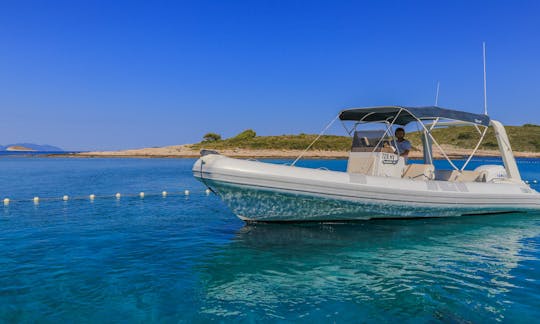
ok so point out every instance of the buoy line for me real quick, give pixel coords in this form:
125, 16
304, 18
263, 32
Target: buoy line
92, 197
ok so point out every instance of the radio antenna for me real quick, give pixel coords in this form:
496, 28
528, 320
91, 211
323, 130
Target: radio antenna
485, 94
437, 94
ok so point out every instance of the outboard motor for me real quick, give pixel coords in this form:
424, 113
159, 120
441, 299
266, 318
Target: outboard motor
489, 173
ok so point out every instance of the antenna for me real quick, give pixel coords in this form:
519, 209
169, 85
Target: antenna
437, 94
485, 95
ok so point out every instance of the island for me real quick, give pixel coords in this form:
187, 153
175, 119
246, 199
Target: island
18, 148
457, 141
30, 147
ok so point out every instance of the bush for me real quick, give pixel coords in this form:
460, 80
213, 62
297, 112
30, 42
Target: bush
463, 136
211, 137
490, 145
245, 135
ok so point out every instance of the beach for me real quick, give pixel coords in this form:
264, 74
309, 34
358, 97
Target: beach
187, 151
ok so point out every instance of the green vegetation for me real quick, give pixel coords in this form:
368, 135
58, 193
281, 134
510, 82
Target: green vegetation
524, 138
211, 137
246, 135
249, 140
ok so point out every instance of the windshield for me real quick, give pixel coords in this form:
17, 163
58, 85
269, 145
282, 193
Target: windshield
372, 140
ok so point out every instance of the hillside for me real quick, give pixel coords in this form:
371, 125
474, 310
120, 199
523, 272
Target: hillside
281, 142
457, 142
524, 138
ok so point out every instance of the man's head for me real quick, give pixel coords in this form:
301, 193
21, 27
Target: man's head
400, 133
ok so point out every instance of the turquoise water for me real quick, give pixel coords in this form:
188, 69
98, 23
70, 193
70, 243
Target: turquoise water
190, 259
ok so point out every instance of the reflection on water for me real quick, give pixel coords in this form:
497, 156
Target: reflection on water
189, 259
457, 269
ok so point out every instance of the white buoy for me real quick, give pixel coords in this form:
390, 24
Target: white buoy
164, 193
141, 194
92, 197
6, 201
118, 195
207, 191
535, 181
65, 198
36, 200
186, 192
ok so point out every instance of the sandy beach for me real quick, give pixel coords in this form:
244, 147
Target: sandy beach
186, 151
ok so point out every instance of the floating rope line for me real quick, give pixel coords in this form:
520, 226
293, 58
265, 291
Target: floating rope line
118, 196
92, 197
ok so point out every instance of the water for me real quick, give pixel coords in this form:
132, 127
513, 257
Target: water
190, 259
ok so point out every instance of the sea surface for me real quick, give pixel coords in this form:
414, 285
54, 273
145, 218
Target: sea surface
187, 258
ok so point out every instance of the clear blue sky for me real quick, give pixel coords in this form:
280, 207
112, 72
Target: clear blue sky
124, 74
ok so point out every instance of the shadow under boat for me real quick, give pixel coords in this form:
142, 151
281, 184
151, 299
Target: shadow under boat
365, 231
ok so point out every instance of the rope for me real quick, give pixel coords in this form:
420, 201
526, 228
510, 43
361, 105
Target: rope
475, 148
316, 139
435, 142
142, 195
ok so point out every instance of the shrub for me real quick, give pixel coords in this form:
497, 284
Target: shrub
211, 137
463, 136
245, 135
491, 145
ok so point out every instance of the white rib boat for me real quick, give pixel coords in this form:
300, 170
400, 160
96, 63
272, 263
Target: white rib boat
378, 183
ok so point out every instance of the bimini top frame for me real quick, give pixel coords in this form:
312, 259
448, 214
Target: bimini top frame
402, 115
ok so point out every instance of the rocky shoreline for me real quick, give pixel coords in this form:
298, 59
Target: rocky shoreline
186, 151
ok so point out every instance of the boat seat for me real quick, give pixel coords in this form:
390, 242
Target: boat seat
457, 176
464, 176
419, 172
365, 140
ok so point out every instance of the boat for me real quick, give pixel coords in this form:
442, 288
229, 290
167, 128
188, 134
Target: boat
378, 182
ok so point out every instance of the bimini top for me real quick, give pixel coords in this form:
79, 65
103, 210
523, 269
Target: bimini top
410, 114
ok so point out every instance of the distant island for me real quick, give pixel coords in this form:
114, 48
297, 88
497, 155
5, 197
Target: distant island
19, 148
457, 141
30, 147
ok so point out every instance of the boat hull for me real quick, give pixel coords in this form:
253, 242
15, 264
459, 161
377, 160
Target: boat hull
257, 191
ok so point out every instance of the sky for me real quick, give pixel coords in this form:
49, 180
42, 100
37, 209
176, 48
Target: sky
104, 75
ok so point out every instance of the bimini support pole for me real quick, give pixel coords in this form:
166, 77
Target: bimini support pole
506, 151
427, 145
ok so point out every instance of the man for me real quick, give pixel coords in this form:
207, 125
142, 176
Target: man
403, 146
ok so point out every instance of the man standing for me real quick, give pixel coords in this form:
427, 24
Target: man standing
403, 145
